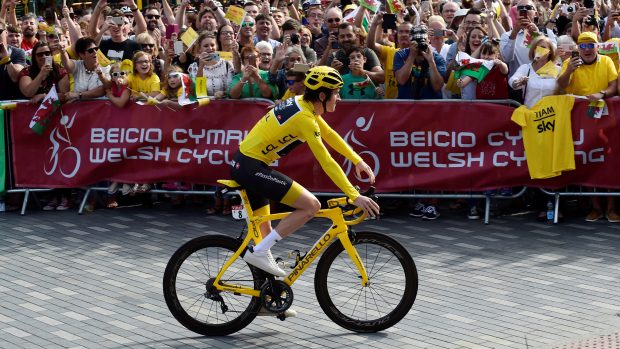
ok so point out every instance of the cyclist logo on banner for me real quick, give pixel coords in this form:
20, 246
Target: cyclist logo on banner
62, 155
369, 157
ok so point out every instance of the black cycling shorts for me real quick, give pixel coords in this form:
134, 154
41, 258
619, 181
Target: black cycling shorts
263, 183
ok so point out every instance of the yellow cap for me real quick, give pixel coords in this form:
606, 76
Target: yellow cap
587, 37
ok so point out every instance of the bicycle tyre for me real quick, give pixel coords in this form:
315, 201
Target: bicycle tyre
335, 270
187, 267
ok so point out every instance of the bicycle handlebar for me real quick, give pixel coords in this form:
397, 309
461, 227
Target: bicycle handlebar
345, 204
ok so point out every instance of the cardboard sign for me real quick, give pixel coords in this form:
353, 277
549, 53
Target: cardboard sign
235, 14
189, 37
201, 87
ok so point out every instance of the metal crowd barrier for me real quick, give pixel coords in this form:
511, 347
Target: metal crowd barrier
441, 195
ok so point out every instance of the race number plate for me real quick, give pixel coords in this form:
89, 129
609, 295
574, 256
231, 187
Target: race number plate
238, 212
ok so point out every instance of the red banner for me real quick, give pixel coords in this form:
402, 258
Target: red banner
423, 145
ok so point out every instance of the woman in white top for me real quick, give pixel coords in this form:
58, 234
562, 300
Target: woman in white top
538, 78
87, 75
218, 71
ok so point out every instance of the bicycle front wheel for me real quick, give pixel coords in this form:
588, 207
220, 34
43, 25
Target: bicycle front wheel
191, 297
388, 297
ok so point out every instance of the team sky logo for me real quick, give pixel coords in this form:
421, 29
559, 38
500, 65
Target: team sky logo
371, 159
542, 118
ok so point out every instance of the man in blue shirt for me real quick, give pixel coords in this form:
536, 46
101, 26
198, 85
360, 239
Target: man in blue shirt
419, 73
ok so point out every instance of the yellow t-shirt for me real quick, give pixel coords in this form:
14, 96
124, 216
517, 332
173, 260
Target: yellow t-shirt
591, 78
547, 136
292, 123
386, 56
148, 85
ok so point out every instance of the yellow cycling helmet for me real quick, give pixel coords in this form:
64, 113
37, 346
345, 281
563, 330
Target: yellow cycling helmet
323, 76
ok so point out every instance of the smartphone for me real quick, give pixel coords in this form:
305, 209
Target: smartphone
335, 45
215, 56
301, 67
523, 13
295, 39
439, 33
252, 60
389, 21
117, 20
171, 29
574, 54
178, 47
49, 60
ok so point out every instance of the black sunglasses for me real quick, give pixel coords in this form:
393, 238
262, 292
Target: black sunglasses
525, 8
148, 45
152, 16
46, 53
92, 49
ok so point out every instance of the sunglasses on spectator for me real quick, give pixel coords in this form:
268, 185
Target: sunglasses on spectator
247, 24
587, 45
291, 82
152, 16
92, 50
148, 45
118, 74
332, 20
525, 8
44, 53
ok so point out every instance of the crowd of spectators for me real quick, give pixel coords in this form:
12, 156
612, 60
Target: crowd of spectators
410, 54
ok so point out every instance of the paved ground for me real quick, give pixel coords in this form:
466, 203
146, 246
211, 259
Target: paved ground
94, 281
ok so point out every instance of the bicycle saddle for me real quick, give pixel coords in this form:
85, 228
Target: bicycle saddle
229, 183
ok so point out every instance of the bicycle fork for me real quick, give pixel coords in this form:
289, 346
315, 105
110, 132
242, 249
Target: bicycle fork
355, 257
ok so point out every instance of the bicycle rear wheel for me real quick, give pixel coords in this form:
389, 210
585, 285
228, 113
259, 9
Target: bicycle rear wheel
388, 297
191, 297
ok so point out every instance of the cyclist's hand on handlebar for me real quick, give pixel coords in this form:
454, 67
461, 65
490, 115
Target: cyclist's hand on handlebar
368, 205
362, 167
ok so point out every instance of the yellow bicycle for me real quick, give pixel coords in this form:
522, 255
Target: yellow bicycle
364, 282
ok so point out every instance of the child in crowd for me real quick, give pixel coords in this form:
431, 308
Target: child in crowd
118, 94
357, 84
495, 84
143, 81
172, 88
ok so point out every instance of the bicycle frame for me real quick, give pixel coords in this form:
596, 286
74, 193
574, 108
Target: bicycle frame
338, 229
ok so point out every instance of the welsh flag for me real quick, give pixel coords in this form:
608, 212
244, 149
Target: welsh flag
396, 6
47, 109
188, 95
350, 18
473, 67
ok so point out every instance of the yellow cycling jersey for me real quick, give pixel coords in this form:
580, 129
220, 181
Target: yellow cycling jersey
291, 123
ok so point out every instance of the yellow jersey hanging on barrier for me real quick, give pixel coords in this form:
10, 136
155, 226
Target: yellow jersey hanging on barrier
547, 136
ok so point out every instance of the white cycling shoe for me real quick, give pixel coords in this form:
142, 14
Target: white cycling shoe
264, 261
287, 313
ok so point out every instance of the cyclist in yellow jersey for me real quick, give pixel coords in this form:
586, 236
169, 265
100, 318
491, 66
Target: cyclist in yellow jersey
292, 122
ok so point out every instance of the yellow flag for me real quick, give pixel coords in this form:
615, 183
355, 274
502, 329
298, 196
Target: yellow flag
46, 28
235, 14
102, 59
225, 55
189, 37
139, 5
201, 87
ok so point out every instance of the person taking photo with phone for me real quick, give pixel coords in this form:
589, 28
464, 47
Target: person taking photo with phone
219, 72
514, 44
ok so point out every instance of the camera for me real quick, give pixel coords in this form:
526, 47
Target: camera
422, 43
419, 36
295, 39
568, 8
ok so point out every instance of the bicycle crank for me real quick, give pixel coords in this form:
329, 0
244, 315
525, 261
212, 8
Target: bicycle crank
276, 295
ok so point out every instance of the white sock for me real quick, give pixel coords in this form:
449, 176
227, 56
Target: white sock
268, 241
